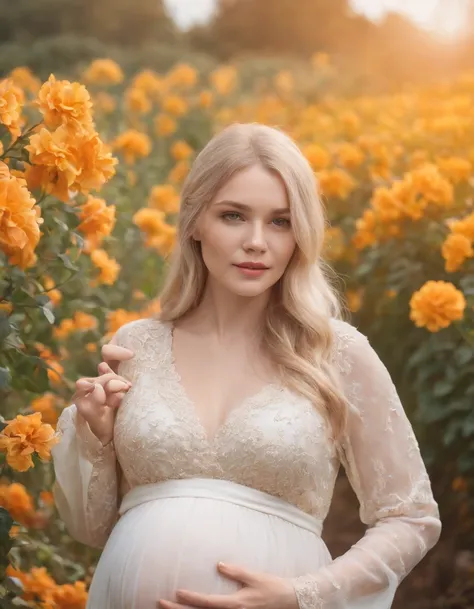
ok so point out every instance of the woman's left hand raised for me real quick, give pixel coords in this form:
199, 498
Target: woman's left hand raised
260, 591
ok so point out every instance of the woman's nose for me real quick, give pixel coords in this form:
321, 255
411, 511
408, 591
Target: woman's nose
255, 239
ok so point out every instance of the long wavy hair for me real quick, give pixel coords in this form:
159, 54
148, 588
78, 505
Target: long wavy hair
297, 333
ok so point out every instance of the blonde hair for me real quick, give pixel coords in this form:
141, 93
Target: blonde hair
297, 332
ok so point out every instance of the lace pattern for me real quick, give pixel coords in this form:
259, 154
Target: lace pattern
275, 442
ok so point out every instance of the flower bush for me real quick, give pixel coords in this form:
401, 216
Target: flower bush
89, 192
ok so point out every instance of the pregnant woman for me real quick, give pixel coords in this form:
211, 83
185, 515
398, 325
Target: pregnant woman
214, 432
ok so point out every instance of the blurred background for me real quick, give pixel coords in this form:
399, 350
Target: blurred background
378, 43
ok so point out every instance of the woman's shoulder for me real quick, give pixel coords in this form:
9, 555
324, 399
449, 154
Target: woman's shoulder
139, 331
349, 342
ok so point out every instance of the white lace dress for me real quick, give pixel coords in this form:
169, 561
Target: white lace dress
166, 502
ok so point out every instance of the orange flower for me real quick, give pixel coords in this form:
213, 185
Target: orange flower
224, 79
455, 250
336, 183
19, 220
16, 499
65, 160
46, 405
464, 226
206, 99
24, 78
116, 319
133, 144
436, 305
149, 82
136, 100
70, 596
53, 294
179, 172
164, 198
109, 267
23, 436
11, 99
104, 71
183, 76
172, 104
318, 157
63, 102
97, 218
165, 125
181, 150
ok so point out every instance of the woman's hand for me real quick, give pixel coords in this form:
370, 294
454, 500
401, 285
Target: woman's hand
98, 398
260, 591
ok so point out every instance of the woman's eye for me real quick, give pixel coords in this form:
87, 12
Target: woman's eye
282, 222
231, 215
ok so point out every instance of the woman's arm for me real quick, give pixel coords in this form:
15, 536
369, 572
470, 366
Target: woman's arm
385, 468
86, 488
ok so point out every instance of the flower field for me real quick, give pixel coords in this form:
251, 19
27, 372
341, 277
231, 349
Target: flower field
90, 174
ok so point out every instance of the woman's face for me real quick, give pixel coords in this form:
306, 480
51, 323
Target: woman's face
247, 222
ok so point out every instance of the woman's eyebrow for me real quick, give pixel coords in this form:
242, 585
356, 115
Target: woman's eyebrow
244, 207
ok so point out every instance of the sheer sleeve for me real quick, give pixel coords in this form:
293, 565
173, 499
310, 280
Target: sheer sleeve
384, 466
86, 486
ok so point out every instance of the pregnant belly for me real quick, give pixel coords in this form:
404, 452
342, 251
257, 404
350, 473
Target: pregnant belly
172, 543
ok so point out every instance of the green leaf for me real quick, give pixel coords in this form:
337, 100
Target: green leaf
5, 378
442, 388
48, 314
5, 327
67, 262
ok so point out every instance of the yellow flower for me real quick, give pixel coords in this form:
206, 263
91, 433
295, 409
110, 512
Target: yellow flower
116, 319
11, 99
318, 157
350, 155
16, 499
334, 244
182, 76
354, 300
46, 405
365, 234
149, 82
104, 102
109, 267
65, 160
181, 150
19, 220
428, 181
165, 125
164, 241
284, 81
25, 435
175, 105
65, 328
206, 99
62, 102
465, 226
350, 123
455, 250
455, 169
320, 60
24, 78
136, 100
336, 183
85, 321
164, 198
224, 79
104, 72
436, 305
179, 172
149, 220
97, 218
53, 294
133, 144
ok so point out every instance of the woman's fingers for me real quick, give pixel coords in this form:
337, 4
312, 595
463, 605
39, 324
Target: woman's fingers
113, 355
115, 399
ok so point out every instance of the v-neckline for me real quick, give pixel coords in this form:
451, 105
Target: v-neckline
243, 406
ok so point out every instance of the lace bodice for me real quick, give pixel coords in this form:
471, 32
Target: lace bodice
276, 442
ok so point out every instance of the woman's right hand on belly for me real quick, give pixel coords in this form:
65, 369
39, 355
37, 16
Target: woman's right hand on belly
98, 398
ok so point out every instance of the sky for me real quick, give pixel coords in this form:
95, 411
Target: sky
445, 17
